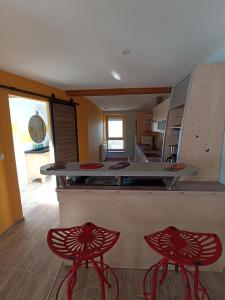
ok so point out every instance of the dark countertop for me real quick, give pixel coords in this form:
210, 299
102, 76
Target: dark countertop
180, 186
37, 151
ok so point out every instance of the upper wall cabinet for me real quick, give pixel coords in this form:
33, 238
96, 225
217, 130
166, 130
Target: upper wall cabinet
201, 133
160, 111
201, 141
179, 94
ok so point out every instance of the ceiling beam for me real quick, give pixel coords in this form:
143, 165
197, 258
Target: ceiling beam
120, 91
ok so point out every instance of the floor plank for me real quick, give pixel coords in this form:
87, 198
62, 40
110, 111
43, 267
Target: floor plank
28, 268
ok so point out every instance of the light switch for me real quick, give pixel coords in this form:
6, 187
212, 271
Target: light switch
2, 156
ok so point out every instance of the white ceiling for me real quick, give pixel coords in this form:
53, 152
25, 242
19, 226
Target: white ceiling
76, 43
132, 102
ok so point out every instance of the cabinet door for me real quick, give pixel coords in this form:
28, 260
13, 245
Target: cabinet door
160, 111
203, 126
179, 93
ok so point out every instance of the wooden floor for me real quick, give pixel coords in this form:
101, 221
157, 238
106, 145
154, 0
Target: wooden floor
28, 269
131, 286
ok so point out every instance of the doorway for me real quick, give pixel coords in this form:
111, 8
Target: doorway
30, 120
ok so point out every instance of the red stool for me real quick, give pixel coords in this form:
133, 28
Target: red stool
83, 244
182, 248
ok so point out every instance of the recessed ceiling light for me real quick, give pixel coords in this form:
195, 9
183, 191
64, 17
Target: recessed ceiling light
125, 52
116, 75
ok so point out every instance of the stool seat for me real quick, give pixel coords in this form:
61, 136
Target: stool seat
188, 248
83, 245
87, 241
182, 248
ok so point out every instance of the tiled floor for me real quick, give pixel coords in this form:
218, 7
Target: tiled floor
28, 268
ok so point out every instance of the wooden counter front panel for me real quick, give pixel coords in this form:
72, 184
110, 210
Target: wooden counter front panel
137, 213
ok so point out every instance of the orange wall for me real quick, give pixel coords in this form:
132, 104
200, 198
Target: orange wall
10, 205
90, 133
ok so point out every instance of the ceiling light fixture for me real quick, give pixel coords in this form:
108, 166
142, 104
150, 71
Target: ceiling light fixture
125, 52
116, 75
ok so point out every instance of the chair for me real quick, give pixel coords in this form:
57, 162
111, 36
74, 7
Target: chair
182, 249
84, 245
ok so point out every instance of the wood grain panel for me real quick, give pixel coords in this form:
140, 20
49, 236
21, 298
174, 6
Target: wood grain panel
204, 120
64, 132
160, 111
123, 91
137, 213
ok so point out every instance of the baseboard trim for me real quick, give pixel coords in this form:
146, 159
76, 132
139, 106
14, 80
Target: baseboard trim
21, 220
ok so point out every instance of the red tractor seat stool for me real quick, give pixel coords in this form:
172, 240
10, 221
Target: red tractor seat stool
182, 248
83, 245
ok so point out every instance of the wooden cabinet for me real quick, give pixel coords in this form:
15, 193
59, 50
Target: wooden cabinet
160, 111
173, 130
34, 161
143, 125
202, 128
179, 94
203, 125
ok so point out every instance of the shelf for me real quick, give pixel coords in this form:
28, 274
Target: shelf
176, 127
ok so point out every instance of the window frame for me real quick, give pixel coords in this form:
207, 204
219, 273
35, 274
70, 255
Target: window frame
123, 138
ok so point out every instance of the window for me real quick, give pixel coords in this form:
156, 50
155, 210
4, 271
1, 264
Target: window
115, 132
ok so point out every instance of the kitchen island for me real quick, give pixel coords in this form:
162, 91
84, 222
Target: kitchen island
153, 170
138, 210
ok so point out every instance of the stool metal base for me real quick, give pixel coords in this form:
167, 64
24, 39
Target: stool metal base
200, 292
102, 270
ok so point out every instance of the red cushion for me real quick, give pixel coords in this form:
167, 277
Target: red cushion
91, 166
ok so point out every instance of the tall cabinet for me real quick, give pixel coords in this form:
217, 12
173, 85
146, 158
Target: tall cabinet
200, 106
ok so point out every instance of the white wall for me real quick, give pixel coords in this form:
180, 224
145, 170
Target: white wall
21, 110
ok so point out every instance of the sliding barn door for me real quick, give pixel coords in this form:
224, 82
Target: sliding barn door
64, 130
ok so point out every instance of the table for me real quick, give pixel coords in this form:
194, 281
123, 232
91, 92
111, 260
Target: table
156, 170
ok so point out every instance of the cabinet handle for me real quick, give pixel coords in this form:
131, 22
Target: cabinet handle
207, 150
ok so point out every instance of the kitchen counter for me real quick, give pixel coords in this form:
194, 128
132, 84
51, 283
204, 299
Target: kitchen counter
154, 170
135, 211
37, 151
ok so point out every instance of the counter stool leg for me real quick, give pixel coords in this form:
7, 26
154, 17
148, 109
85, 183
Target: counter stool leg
199, 287
116, 280
186, 281
72, 281
165, 272
102, 275
155, 269
154, 279
61, 283
144, 282
196, 283
102, 279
